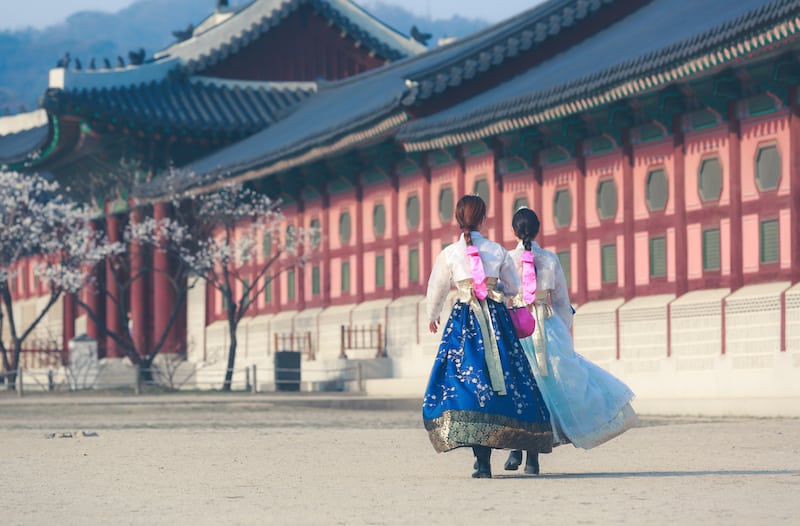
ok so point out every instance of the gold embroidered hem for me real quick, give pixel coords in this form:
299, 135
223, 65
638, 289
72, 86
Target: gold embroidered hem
472, 428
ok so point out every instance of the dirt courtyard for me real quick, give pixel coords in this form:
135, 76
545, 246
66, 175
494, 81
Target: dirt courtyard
239, 459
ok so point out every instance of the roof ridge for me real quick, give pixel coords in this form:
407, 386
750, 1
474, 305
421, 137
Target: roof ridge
240, 29
665, 57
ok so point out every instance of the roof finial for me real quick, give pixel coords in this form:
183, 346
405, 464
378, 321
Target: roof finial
419, 36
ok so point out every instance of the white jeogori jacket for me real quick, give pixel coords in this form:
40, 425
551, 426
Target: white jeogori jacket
452, 265
549, 276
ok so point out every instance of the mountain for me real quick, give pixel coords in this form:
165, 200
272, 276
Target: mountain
26, 56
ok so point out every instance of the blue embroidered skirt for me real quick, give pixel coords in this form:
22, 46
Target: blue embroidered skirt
461, 408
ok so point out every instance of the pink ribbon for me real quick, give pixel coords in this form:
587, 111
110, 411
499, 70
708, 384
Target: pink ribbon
478, 273
528, 278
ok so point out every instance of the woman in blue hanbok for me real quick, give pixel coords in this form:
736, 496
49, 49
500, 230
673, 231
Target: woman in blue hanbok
481, 391
588, 405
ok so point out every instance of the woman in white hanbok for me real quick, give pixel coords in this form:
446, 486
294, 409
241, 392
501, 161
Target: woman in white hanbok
481, 392
588, 405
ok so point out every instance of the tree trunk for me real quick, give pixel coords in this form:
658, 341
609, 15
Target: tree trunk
13, 367
146, 370
231, 356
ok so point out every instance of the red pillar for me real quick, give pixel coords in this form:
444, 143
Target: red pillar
92, 298
461, 181
538, 196
794, 175
395, 236
113, 322
300, 272
359, 189
427, 232
163, 291
325, 225
627, 209
499, 220
679, 178
580, 218
68, 324
138, 295
735, 210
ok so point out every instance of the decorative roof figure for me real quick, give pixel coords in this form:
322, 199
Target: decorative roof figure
419, 36
136, 57
186, 34
64, 61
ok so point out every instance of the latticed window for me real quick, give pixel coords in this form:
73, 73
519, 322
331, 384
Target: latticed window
711, 249
315, 281
446, 204
709, 181
412, 212
268, 293
291, 237
266, 245
345, 276
566, 264
290, 284
768, 167
482, 190
609, 263
769, 241
380, 271
413, 265
520, 202
344, 227
658, 257
656, 190
607, 199
562, 208
316, 233
379, 220
246, 293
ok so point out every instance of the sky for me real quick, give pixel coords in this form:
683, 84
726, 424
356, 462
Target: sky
43, 13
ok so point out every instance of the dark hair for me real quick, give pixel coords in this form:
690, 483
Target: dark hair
526, 226
470, 213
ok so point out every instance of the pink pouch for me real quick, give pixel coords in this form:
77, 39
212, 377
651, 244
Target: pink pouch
523, 320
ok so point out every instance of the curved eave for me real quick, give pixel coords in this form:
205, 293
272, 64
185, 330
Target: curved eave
313, 150
637, 77
521, 34
197, 108
35, 146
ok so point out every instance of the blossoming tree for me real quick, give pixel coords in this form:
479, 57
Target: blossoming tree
41, 228
124, 270
223, 231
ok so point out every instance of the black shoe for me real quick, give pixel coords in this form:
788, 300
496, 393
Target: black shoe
532, 463
514, 460
483, 464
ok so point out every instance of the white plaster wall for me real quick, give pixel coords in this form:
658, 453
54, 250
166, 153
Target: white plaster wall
195, 323
753, 325
696, 324
594, 330
330, 331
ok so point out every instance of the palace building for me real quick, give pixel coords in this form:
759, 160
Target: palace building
658, 141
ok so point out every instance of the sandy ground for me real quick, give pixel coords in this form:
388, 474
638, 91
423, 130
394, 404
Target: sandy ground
283, 460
